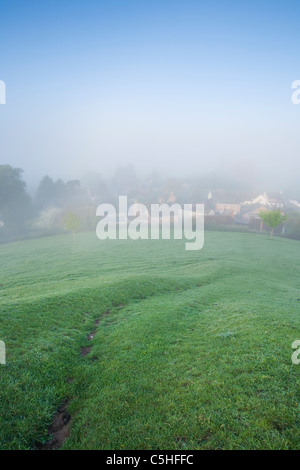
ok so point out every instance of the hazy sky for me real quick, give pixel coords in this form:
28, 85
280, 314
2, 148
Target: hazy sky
182, 86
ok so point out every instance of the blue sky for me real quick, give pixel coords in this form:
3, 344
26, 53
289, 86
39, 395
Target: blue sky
181, 86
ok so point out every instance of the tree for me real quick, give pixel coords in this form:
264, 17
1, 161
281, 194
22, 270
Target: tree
15, 203
125, 181
272, 219
49, 220
72, 223
45, 195
57, 193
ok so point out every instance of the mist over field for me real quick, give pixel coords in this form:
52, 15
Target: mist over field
181, 88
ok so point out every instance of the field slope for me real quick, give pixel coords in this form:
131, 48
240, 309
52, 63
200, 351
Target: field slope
149, 346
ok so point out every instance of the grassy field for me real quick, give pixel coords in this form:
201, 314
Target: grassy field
190, 350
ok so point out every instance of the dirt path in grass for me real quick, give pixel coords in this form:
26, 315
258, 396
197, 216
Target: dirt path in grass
60, 427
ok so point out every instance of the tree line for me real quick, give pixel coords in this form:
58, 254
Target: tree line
57, 205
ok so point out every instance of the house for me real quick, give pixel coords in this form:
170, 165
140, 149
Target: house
224, 208
271, 200
252, 214
294, 203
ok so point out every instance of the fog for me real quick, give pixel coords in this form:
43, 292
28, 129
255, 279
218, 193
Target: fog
186, 89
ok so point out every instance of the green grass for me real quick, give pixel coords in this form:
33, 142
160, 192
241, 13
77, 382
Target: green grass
194, 354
